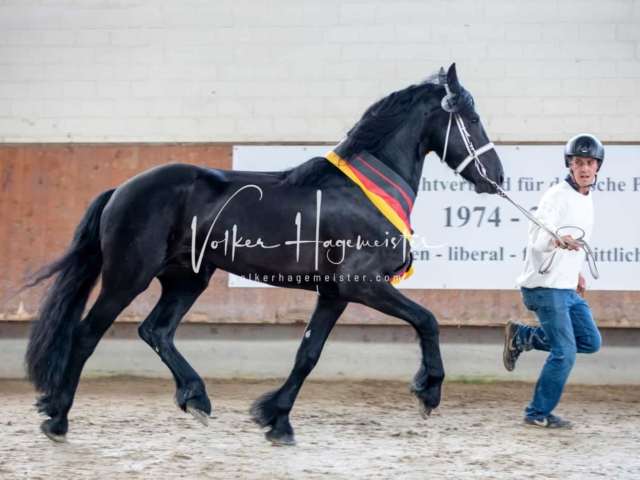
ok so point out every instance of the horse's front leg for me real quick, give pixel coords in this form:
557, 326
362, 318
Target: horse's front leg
272, 409
384, 297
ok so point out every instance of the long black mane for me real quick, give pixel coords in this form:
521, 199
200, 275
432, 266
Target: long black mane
379, 122
385, 117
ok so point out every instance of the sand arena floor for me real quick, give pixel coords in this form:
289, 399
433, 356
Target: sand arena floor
125, 427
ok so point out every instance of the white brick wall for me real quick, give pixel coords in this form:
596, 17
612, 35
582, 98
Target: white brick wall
303, 71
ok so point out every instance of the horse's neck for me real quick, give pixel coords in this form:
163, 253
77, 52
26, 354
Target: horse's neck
399, 155
404, 162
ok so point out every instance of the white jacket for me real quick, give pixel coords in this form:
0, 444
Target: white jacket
560, 206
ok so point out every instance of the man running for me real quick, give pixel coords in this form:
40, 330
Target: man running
566, 322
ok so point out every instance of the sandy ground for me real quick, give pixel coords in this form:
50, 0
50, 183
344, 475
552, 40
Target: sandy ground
124, 427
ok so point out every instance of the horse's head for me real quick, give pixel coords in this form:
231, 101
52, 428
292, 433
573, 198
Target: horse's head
454, 131
404, 126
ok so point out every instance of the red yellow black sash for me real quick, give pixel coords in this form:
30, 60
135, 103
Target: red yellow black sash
389, 192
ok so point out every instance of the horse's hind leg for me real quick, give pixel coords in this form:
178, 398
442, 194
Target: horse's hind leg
86, 336
272, 409
181, 287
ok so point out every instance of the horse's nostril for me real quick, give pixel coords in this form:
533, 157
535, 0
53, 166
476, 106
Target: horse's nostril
501, 178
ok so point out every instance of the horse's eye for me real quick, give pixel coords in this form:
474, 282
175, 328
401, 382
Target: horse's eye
475, 119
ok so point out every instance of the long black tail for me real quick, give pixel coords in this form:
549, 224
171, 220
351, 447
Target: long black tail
77, 272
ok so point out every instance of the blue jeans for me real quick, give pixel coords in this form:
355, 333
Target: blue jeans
566, 328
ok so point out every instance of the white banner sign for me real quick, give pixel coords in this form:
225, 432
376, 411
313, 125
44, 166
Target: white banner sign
471, 241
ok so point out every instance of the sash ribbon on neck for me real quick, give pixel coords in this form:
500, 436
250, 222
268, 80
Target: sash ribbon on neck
387, 190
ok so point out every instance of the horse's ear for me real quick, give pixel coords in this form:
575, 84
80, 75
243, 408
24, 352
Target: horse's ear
442, 77
452, 80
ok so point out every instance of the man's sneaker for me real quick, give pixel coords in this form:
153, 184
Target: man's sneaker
551, 421
510, 353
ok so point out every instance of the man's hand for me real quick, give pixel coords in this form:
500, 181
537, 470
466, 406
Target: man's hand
566, 246
582, 285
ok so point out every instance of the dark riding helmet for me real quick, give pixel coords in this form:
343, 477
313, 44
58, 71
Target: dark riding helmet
584, 145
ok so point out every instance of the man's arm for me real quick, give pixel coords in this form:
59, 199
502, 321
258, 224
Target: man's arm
549, 214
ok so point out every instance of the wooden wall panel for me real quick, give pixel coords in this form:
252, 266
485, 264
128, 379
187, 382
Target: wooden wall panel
45, 189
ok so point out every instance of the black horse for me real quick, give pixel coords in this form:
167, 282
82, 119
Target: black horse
297, 228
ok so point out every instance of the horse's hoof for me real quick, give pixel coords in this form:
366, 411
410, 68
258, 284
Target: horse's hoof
52, 436
280, 440
199, 415
422, 408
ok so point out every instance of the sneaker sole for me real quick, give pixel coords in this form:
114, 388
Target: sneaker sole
540, 427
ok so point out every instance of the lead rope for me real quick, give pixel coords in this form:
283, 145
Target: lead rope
547, 262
